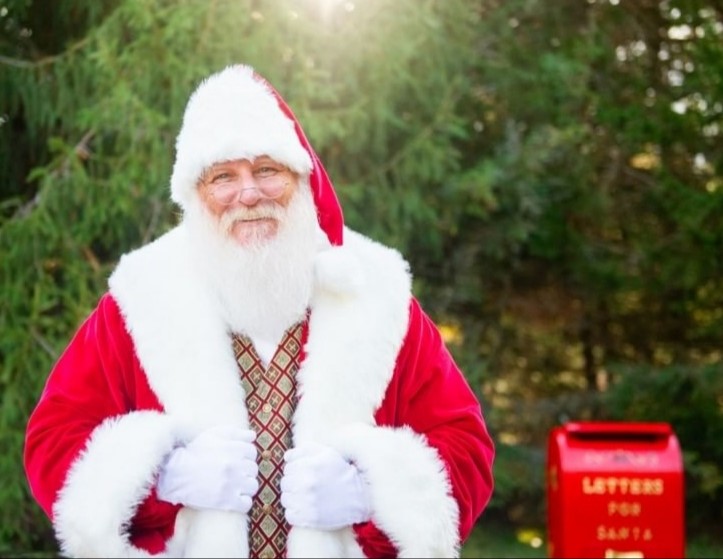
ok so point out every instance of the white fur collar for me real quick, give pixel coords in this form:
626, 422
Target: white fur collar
362, 293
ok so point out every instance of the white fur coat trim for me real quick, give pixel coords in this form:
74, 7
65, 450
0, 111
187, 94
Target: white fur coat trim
99, 475
358, 321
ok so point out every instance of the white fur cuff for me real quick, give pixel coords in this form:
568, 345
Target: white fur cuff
108, 481
411, 493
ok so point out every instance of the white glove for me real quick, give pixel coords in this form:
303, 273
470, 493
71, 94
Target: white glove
322, 490
216, 470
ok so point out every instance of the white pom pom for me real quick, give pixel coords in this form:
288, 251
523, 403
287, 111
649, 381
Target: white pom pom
338, 272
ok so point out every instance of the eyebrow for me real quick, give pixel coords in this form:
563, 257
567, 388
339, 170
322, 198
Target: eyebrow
266, 159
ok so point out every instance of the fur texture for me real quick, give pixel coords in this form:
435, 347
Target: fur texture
358, 322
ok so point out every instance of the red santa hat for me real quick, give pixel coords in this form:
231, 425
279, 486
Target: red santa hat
236, 114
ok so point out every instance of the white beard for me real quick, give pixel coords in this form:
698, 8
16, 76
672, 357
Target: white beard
263, 288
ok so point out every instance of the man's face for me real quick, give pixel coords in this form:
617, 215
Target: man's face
248, 197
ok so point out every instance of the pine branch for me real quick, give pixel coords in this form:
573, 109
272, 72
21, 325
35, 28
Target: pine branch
42, 342
450, 96
81, 151
19, 63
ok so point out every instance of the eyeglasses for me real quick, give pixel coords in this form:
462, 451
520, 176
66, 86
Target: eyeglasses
225, 183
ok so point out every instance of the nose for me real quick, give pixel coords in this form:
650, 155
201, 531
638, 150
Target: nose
249, 193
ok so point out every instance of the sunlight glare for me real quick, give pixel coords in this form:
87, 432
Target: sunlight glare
327, 7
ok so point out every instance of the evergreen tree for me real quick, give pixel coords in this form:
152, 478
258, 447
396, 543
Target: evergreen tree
551, 169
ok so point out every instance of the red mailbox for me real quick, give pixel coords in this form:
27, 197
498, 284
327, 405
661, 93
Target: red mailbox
615, 490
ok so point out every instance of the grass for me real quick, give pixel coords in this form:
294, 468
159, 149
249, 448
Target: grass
494, 539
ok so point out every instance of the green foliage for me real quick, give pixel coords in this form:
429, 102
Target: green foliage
519, 495
552, 170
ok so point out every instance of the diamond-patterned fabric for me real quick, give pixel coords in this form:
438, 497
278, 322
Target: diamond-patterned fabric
270, 400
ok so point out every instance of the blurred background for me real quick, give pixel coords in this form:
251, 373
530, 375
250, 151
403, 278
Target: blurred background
552, 171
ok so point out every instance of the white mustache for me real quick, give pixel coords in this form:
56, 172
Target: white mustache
249, 214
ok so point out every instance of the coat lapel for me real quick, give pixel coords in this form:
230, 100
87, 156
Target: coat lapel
358, 319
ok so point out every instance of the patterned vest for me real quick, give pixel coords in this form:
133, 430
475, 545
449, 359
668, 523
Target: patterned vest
270, 400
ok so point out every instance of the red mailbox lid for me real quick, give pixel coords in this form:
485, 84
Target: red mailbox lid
618, 446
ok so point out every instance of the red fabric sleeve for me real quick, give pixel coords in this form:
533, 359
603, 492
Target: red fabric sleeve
429, 393
96, 377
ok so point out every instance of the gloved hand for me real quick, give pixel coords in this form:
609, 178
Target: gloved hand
320, 489
216, 470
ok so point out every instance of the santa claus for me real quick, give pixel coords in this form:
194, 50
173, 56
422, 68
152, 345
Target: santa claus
260, 380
